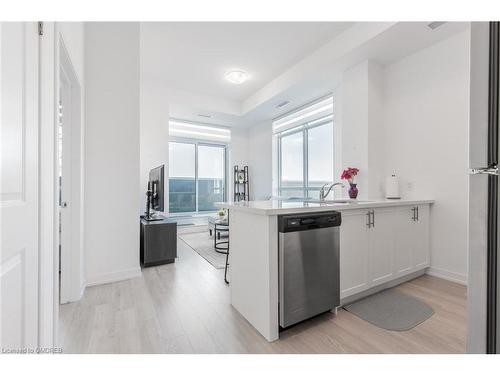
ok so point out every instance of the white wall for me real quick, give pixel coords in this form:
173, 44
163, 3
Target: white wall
154, 107
426, 124
112, 151
153, 135
359, 123
238, 155
376, 138
238, 147
260, 160
354, 124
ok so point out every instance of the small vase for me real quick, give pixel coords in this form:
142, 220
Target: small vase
353, 191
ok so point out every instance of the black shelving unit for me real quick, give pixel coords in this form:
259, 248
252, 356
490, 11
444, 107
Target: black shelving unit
241, 184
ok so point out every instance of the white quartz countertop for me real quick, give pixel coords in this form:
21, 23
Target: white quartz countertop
284, 207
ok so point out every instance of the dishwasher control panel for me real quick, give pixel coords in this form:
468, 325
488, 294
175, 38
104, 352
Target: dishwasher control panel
293, 223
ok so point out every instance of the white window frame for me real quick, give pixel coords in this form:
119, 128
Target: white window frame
301, 127
196, 143
305, 152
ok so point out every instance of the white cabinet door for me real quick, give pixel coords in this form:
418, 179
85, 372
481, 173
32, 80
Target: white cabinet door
19, 185
403, 241
354, 257
381, 246
412, 252
395, 245
420, 238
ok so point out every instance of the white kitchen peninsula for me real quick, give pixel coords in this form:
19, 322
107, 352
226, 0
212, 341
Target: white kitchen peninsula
382, 243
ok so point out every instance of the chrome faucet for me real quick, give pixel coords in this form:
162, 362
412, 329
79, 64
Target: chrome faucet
323, 195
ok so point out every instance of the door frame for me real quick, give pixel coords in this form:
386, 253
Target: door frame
48, 288
50, 48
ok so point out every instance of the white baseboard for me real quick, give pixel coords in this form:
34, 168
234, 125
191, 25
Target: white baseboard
447, 275
114, 276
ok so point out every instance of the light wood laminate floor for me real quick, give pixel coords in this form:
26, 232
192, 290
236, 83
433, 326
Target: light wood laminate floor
184, 308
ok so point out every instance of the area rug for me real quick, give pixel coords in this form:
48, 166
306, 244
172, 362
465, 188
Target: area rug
391, 310
203, 244
181, 230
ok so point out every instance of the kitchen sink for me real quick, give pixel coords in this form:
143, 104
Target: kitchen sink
335, 201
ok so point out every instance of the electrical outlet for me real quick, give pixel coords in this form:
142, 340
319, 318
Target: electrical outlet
409, 185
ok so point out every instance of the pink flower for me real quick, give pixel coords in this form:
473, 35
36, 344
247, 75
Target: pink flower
349, 173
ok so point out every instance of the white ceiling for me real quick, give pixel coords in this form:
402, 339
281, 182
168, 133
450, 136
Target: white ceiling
290, 61
317, 74
193, 56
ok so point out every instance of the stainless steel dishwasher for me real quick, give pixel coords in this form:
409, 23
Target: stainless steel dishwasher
309, 282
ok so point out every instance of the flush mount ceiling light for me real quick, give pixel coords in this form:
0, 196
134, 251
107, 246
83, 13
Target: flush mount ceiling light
236, 76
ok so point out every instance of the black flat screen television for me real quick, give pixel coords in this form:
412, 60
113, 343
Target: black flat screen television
157, 184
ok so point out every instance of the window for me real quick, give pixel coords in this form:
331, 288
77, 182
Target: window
197, 167
319, 157
292, 164
182, 177
305, 148
211, 181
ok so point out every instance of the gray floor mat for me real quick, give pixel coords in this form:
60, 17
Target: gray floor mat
391, 310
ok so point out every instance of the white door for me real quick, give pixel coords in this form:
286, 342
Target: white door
381, 246
353, 253
19, 185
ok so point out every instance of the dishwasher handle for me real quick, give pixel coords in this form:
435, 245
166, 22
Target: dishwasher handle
307, 221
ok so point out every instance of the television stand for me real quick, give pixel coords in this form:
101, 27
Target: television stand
158, 244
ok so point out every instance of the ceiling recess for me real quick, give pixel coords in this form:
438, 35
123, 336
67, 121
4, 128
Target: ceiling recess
283, 104
434, 25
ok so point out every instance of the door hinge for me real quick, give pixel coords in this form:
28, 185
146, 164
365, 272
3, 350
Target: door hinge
40, 28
